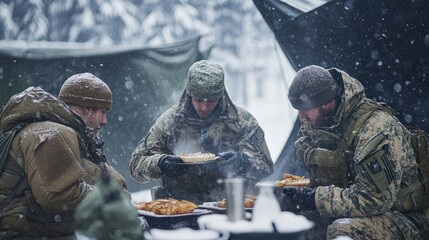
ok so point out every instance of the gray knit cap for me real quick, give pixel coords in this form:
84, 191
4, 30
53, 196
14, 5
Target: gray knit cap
205, 80
86, 90
313, 86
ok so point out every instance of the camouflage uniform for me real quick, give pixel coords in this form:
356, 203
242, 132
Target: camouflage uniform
179, 130
379, 165
50, 167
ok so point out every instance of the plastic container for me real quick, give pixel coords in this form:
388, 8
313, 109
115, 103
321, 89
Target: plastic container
267, 207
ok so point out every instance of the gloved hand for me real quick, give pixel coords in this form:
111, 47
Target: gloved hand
295, 199
235, 163
169, 165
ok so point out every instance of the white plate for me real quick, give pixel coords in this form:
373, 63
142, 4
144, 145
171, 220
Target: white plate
214, 206
196, 212
200, 162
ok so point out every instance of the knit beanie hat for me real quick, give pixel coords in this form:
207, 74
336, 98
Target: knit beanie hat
205, 80
313, 86
86, 90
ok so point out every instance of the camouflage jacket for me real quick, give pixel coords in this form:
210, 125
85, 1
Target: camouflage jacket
49, 167
380, 139
179, 131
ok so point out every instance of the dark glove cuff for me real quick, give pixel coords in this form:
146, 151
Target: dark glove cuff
162, 161
163, 158
311, 200
300, 198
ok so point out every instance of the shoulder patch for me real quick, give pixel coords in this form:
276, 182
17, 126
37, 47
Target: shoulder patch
378, 170
257, 137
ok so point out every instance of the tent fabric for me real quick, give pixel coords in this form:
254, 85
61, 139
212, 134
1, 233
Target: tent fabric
144, 81
383, 44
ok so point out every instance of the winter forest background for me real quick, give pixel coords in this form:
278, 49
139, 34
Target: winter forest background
257, 73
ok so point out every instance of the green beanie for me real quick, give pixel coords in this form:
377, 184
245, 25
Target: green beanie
205, 80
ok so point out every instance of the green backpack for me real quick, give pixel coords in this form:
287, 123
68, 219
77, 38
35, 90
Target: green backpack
5, 144
418, 140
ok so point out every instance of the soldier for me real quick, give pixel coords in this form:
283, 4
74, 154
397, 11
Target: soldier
364, 178
54, 159
204, 120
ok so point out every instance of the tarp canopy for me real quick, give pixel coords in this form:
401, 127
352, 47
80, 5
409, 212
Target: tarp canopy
384, 44
144, 81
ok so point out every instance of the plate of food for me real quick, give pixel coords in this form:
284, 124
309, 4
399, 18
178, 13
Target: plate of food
290, 180
220, 206
170, 213
197, 158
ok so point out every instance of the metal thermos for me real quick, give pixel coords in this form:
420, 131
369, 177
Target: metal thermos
234, 191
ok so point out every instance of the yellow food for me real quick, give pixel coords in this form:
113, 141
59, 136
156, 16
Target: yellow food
197, 157
168, 206
292, 180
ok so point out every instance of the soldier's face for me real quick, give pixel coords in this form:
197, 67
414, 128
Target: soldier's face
318, 116
204, 107
95, 118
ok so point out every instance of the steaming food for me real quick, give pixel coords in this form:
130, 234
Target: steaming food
292, 180
249, 201
197, 157
168, 206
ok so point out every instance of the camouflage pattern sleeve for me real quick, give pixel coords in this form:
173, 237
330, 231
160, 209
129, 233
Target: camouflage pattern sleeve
370, 195
252, 143
144, 160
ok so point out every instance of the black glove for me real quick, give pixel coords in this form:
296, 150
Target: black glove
234, 163
169, 165
295, 199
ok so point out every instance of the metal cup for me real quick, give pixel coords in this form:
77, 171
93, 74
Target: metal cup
234, 191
